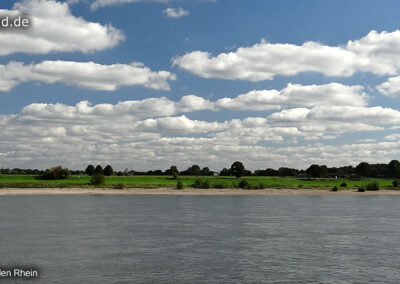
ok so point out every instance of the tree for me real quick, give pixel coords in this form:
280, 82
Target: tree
194, 170
205, 171
314, 170
394, 168
98, 170
55, 173
172, 171
108, 170
225, 172
363, 169
89, 170
237, 169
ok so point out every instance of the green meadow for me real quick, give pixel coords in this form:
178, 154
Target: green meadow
30, 181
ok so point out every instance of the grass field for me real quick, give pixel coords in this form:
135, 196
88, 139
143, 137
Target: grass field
29, 181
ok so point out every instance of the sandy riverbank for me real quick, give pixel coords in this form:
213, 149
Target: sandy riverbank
188, 191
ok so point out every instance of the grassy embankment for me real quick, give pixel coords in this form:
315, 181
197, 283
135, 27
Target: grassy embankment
29, 181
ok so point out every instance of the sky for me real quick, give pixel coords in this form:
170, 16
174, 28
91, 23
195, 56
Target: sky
146, 84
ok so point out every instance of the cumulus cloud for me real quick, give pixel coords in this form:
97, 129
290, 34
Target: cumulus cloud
103, 3
297, 95
151, 133
55, 29
176, 12
377, 53
391, 87
88, 75
393, 137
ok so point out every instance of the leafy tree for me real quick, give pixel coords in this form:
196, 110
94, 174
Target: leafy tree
237, 169
98, 170
55, 173
205, 171
108, 170
225, 172
89, 170
286, 172
394, 168
271, 172
363, 169
172, 171
194, 170
314, 170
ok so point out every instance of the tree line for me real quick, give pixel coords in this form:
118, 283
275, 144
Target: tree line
364, 169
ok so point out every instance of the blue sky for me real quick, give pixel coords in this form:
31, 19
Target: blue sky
149, 36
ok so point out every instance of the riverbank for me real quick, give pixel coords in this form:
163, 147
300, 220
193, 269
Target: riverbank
188, 191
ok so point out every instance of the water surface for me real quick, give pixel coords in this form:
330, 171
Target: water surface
203, 239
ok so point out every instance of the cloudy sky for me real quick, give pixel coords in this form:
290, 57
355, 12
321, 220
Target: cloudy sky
145, 84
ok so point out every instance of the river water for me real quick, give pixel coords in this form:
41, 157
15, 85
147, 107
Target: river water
203, 239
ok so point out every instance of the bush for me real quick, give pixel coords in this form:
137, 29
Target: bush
395, 183
119, 186
372, 186
259, 186
335, 188
179, 184
219, 185
175, 175
201, 183
243, 184
97, 179
361, 189
343, 184
262, 186
206, 184
55, 173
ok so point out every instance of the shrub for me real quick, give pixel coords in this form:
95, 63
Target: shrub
97, 179
55, 173
119, 186
206, 184
361, 189
219, 185
343, 184
243, 184
175, 175
201, 183
259, 186
372, 186
179, 184
395, 183
335, 188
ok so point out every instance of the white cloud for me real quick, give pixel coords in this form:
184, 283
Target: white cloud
176, 12
297, 95
372, 115
55, 29
391, 87
103, 3
393, 137
377, 53
88, 75
148, 133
